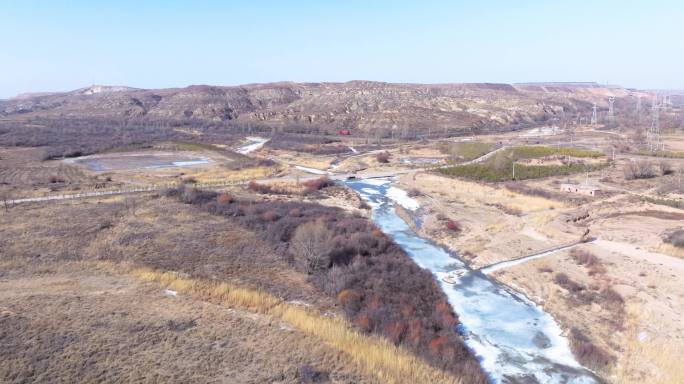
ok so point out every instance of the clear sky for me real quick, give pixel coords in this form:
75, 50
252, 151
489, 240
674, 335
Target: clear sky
64, 45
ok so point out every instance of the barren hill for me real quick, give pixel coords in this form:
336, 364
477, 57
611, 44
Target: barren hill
355, 105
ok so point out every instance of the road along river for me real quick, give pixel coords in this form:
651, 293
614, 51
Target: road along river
514, 339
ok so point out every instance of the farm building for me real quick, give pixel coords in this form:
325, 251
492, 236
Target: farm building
582, 189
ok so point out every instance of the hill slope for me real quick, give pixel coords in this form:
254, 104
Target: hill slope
355, 105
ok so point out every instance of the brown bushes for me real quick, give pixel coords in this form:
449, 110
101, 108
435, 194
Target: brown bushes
589, 260
413, 192
666, 168
564, 281
311, 186
379, 287
383, 157
453, 226
225, 198
588, 353
639, 169
675, 238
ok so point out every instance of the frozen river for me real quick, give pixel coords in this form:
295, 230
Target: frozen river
514, 339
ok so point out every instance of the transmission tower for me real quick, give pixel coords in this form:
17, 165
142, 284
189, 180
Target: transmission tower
594, 120
653, 136
611, 111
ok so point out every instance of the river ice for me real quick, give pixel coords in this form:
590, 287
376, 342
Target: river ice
514, 339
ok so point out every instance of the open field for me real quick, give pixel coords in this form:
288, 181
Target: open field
80, 322
624, 331
166, 235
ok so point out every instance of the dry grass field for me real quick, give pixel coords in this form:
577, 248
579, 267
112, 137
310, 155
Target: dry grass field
626, 328
77, 322
622, 306
188, 292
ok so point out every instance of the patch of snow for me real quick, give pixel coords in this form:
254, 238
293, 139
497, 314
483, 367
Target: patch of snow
402, 198
353, 149
189, 162
255, 143
299, 302
312, 170
542, 131
169, 292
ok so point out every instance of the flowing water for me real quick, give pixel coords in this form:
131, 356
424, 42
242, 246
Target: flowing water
514, 339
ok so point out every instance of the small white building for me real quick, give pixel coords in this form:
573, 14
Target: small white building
582, 189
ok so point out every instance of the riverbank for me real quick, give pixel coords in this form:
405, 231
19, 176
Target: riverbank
608, 309
512, 337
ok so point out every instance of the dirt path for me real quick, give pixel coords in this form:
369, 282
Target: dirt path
638, 253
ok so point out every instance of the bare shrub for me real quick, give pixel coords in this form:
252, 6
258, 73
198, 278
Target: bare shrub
676, 238
311, 186
379, 287
311, 245
587, 259
383, 157
413, 192
225, 198
611, 298
308, 375
453, 226
665, 167
587, 352
639, 169
545, 269
270, 216
336, 280
564, 281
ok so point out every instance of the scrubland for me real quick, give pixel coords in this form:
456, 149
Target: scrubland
616, 298
213, 256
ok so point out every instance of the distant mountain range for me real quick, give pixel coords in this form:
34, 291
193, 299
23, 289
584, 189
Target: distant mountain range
354, 105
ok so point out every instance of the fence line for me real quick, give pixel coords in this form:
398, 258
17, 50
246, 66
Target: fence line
121, 191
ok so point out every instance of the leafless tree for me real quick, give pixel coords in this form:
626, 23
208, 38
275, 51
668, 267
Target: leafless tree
666, 167
311, 245
639, 169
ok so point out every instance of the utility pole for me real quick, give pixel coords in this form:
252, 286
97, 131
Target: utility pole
594, 120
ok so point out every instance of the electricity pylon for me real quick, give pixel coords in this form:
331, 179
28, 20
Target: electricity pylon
653, 135
611, 111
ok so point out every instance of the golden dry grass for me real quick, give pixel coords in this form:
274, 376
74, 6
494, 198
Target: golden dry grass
484, 194
376, 356
219, 174
662, 358
671, 250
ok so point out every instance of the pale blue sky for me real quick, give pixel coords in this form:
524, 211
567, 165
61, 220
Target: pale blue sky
64, 45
